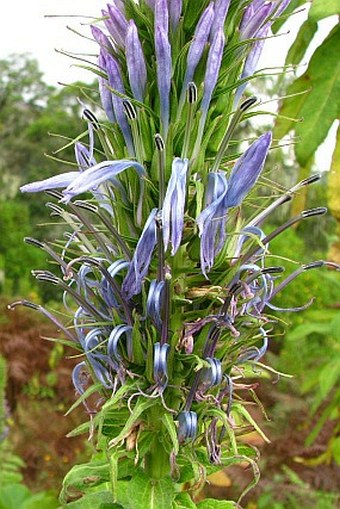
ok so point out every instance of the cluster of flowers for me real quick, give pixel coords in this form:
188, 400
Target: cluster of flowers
169, 280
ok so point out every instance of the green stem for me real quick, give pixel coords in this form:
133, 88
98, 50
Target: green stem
157, 461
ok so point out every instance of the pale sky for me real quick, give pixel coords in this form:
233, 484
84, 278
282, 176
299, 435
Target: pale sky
24, 27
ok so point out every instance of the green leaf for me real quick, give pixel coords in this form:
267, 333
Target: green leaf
83, 477
321, 9
301, 43
13, 496
90, 390
93, 501
140, 407
335, 448
143, 492
184, 501
322, 105
329, 375
240, 409
210, 503
172, 430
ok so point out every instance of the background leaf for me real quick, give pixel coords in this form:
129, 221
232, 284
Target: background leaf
323, 8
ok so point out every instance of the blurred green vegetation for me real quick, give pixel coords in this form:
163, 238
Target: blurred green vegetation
36, 122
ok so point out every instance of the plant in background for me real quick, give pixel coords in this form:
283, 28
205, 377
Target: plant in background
168, 281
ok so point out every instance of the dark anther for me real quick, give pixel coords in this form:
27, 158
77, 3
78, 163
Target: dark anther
159, 142
192, 93
88, 115
317, 211
248, 103
129, 109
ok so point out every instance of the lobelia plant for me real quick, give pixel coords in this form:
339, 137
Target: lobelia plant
166, 276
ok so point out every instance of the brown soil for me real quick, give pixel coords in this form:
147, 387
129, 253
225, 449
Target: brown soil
37, 400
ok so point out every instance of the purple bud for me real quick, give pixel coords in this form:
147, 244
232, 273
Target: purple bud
164, 70
105, 93
174, 204
175, 10
116, 24
140, 262
282, 7
252, 60
255, 22
247, 170
249, 12
198, 43
213, 68
221, 11
162, 15
116, 83
101, 38
135, 62
151, 3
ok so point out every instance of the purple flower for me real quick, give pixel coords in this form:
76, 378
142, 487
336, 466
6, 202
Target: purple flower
164, 70
210, 376
79, 182
80, 377
112, 343
135, 62
221, 11
83, 157
93, 177
187, 426
55, 182
116, 83
155, 302
160, 366
174, 204
247, 170
140, 262
212, 220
